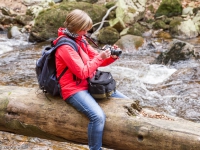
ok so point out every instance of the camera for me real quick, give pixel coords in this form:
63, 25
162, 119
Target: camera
114, 51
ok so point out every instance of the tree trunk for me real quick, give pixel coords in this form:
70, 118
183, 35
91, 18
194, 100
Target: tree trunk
25, 111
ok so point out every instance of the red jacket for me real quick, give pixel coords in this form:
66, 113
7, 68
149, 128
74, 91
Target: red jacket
80, 65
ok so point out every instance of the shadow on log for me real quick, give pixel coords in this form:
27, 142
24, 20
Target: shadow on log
24, 111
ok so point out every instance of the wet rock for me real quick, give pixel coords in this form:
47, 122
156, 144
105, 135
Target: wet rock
14, 32
177, 51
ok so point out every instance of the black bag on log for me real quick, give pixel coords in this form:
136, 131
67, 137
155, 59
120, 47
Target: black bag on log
102, 85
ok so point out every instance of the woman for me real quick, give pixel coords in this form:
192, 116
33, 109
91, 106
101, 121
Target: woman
81, 65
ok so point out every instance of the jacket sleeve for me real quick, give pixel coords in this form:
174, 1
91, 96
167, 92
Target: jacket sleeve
92, 53
75, 63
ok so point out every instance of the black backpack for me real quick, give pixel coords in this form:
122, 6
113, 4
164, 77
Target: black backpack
46, 67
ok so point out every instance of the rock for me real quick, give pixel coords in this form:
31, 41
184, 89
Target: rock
42, 31
184, 30
15, 33
177, 51
118, 24
169, 8
130, 43
130, 11
108, 35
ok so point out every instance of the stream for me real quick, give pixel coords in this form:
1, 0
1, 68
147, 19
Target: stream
168, 89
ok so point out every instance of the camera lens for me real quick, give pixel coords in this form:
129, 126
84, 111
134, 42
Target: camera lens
113, 51
116, 52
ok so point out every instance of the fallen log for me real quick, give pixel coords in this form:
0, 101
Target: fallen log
25, 111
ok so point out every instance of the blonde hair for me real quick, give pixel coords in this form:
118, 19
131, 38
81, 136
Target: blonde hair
78, 20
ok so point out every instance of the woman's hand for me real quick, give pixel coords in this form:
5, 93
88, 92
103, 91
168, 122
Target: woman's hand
114, 56
105, 54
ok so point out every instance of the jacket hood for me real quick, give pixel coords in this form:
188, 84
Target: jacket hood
62, 34
60, 31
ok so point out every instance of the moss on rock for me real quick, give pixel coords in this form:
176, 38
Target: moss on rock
173, 26
173, 55
53, 18
108, 35
117, 23
159, 24
136, 29
3, 107
169, 8
175, 22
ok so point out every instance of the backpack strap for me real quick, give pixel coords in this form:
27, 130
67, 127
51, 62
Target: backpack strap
65, 41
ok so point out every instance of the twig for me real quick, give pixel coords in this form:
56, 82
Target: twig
103, 20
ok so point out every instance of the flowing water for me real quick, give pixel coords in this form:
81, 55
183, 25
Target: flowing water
171, 89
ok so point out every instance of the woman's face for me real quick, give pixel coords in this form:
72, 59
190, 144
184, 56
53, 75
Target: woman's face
83, 32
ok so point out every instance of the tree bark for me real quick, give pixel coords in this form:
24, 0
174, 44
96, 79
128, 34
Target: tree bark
25, 111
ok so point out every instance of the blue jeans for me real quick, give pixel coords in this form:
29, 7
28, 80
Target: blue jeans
87, 105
